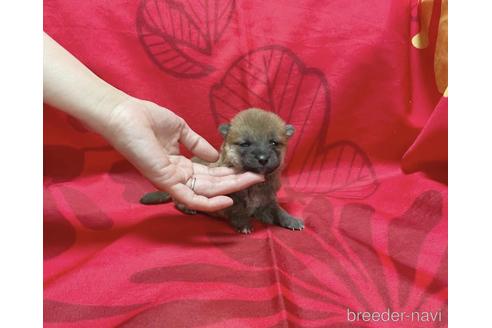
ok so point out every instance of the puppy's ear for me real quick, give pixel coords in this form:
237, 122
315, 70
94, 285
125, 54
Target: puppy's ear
289, 130
224, 129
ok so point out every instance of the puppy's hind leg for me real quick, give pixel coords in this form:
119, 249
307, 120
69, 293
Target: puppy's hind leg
288, 221
277, 215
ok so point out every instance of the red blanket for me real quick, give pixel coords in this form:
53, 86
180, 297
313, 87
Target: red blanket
364, 84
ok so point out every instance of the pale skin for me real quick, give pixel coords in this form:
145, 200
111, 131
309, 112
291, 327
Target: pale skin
147, 134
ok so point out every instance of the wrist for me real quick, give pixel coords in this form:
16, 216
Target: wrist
98, 115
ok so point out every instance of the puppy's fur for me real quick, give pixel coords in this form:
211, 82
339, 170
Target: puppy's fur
256, 141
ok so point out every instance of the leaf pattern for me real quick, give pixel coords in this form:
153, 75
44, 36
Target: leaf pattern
309, 281
339, 170
58, 233
86, 211
274, 263
122, 172
179, 35
260, 252
406, 235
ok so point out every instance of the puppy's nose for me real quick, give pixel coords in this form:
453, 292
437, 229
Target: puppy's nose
262, 159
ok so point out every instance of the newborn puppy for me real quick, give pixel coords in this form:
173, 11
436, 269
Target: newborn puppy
256, 141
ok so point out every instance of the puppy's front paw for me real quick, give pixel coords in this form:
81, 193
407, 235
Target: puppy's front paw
246, 230
292, 223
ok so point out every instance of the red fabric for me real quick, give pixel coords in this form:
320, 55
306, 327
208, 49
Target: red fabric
370, 122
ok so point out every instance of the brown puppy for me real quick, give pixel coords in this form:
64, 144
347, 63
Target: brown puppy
256, 141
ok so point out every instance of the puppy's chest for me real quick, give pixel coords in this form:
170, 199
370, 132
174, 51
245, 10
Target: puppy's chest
256, 196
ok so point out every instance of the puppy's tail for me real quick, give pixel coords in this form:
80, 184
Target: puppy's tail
155, 197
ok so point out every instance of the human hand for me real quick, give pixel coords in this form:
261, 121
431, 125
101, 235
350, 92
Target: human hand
149, 136
146, 134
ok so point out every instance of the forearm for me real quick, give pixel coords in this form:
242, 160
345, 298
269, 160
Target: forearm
71, 87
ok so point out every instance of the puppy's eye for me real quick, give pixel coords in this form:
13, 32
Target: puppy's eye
274, 142
244, 144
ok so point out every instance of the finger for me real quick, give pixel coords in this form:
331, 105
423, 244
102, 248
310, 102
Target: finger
198, 145
214, 171
221, 171
213, 186
186, 196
